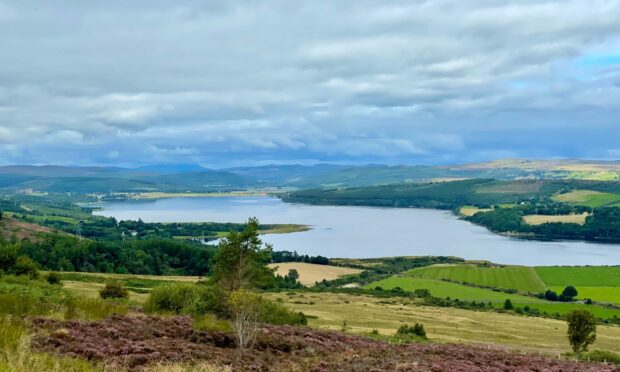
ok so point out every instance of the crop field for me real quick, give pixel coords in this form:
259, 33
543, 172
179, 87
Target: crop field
362, 314
312, 273
580, 276
589, 198
508, 277
538, 219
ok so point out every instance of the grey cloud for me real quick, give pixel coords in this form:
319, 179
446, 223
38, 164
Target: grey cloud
368, 80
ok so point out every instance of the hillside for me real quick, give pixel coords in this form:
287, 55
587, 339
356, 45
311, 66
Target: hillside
189, 177
134, 342
11, 228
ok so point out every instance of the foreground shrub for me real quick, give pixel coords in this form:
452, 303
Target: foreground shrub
210, 322
276, 313
114, 290
245, 307
21, 296
200, 299
601, 356
175, 298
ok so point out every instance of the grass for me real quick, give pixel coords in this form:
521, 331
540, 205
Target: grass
580, 276
444, 289
508, 277
594, 175
538, 219
589, 198
469, 211
312, 273
363, 314
599, 294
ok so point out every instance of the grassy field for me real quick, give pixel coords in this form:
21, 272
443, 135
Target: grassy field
363, 314
601, 294
580, 276
538, 219
442, 289
509, 277
589, 198
469, 211
312, 273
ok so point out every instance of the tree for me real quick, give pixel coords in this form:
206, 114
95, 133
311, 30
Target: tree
293, 274
570, 292
241, 260
245, 307
551, 295
581, 329
508, 304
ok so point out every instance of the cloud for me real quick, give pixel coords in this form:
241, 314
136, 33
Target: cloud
366, 81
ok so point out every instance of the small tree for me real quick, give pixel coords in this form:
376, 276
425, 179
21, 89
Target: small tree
245, 307
581, 330
570, 292
508, 304
113, 290
241, 260
293, 275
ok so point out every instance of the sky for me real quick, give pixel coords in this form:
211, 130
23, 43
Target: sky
232, 83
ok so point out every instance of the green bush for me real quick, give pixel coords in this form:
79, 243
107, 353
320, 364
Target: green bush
53, 278
175, 298
25, 266
417, 329
200, 299
276, 313
114, 290
601, 356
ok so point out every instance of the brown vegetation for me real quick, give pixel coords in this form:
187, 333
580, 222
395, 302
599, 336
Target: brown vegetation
135, 343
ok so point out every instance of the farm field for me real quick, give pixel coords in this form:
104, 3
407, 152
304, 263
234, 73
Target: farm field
362, 314
509, 277
444, 289
601, 294
538, 219
469, 210
580, 276
589, 198
312, 273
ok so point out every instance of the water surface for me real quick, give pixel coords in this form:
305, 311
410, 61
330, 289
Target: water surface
363, 232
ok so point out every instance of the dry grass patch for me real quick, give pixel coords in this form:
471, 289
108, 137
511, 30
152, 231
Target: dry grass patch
469, 211
363, 314
312, 273
537, 219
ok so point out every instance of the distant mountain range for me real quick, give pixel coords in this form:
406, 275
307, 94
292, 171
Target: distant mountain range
190, 177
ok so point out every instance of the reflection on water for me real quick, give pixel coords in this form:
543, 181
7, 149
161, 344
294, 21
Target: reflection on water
368, 232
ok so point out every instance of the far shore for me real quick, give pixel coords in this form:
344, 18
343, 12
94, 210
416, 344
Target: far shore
162, 195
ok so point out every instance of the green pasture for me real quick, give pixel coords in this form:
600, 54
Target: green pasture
579, 276
508, 277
